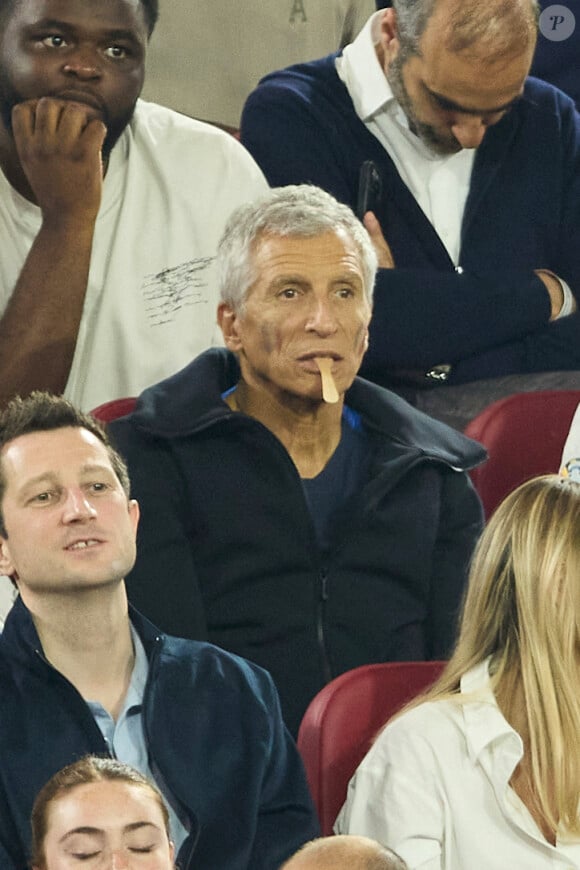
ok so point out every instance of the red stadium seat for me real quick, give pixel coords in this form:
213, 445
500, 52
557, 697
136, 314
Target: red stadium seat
115, 408
341, 721
524, 435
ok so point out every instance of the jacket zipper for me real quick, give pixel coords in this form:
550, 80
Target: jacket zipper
321, 616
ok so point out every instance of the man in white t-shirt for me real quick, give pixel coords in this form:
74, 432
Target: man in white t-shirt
110, 208
208, 56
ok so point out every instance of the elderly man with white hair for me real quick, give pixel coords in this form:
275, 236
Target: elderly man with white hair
293, 512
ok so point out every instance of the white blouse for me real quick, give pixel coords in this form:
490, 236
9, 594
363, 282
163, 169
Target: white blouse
435, 788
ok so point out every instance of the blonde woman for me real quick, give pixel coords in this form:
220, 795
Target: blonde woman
483, 771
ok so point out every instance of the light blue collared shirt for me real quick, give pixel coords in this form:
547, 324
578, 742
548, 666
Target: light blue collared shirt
125, 738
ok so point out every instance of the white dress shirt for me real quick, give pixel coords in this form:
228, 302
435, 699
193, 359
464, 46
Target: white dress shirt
435, 788
439, 184
125, 736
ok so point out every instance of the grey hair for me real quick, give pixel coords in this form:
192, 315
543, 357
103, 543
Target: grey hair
412, 19
298, 210
497, 28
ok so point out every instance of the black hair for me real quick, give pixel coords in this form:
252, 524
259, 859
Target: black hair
150, 7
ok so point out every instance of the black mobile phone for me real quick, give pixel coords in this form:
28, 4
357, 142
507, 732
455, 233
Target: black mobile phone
370, 189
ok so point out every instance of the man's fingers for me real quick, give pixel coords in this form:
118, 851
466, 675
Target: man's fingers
53, 117
380, 244
67, 119
49, 127
23, 119
46, 117
371, 223
60, 148
95, 133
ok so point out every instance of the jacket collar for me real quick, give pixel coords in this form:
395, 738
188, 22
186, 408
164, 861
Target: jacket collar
190, 401
20, 640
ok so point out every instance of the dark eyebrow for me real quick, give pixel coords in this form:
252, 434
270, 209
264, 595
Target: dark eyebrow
86, 468
98, 832
50, 478
120, 34
135, 826
46, 477
96, 468
116, 33
446, 103
45, 22
48, 24
282, 280
85, 829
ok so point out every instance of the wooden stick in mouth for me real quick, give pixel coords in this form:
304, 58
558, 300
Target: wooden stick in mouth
329, 391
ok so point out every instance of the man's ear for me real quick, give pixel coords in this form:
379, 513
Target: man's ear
388, 45
6, 563
228, 322
134, 513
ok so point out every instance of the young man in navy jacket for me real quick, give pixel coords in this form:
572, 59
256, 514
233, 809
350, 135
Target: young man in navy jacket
81, 673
